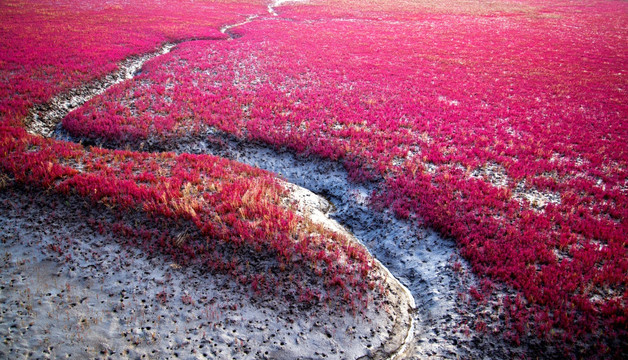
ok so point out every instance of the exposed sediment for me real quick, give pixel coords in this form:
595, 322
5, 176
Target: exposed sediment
67, 287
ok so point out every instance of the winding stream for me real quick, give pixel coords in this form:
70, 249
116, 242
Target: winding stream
418, 257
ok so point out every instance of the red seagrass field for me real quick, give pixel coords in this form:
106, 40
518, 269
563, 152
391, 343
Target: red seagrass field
502, 126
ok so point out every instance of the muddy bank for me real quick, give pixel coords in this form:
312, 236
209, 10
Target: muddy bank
67, 289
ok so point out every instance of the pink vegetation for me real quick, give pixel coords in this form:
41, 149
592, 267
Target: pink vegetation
502, 126
51, 46
234, 215
505, 131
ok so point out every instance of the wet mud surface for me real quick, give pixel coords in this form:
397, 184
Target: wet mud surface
68, 289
